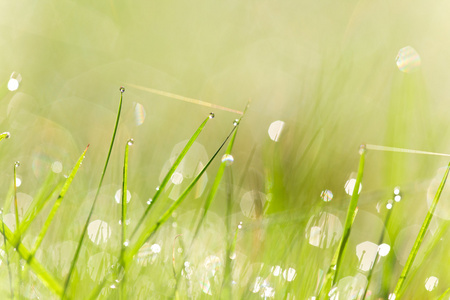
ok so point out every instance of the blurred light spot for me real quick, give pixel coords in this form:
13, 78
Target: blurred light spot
326, 195
155, 248
384, 249
177, 178
97, 265
323, 230
148, 254
228, 159
140, 114
99, 232
118, 196
408, 60
366, 252
14, 81
350, 186
349, 288
57, 167
391, 296
252, 204
396, 190
276, 270
289, 274
397, 198
18, 181
443, 207
275, 130
431, 282
23, 203
212, 264
205, 286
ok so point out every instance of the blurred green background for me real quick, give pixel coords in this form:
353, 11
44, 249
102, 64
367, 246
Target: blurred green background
327, 69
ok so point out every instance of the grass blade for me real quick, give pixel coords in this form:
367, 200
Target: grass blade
4, 135
47, 279
83, 233
171, 171
216, 183
444, 294
7, 257
58, 202
420, 236
151, 230
333, 271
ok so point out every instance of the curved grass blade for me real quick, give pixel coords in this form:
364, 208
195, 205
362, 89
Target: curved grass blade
444, 294
7, 257
17, 233
83, 233
171, 171
415, 249
150, 231
58, 201
216, 183
46, 278
333, 271
4, 135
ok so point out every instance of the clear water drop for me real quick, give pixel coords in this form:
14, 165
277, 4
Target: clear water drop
228, 159
14, 81
390, 204
130, 142
122, 89
235, 122
211, 115
126, 243
149, 201
240, 225
17, 164
397, 198
396, 190
6, 134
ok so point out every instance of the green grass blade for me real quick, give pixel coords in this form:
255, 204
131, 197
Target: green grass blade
333, 271
16, 210
444, 294
124, 215
46, 278
58, 201
86, 224
420, 236
4, 135
151, 230
7, 256
216, 183
171, 171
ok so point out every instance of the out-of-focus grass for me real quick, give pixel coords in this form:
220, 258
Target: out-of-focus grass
326, 69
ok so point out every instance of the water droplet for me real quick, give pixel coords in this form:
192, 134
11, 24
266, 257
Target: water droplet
126, 243
276, 270
211, 115
275, 130
391, 296
155, 248
180, 250
240, 225
431, 282
112, 286
397, 198
390, 204
228, 159
235, 122
326, 195
233, 255
362, 149
149, 201
130, 142
396, 190
177, 178
18, 181
408, 60
6, 134
14, 81
17, 164
122, 89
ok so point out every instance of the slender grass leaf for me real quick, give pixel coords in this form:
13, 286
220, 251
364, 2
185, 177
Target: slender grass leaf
171, 171
333, 271
415, 249
83, 233
58, 201
7, 256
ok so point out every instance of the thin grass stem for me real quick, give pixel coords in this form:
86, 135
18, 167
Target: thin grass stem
7, 257
171, 171
83, 233
124, 214
415, 249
